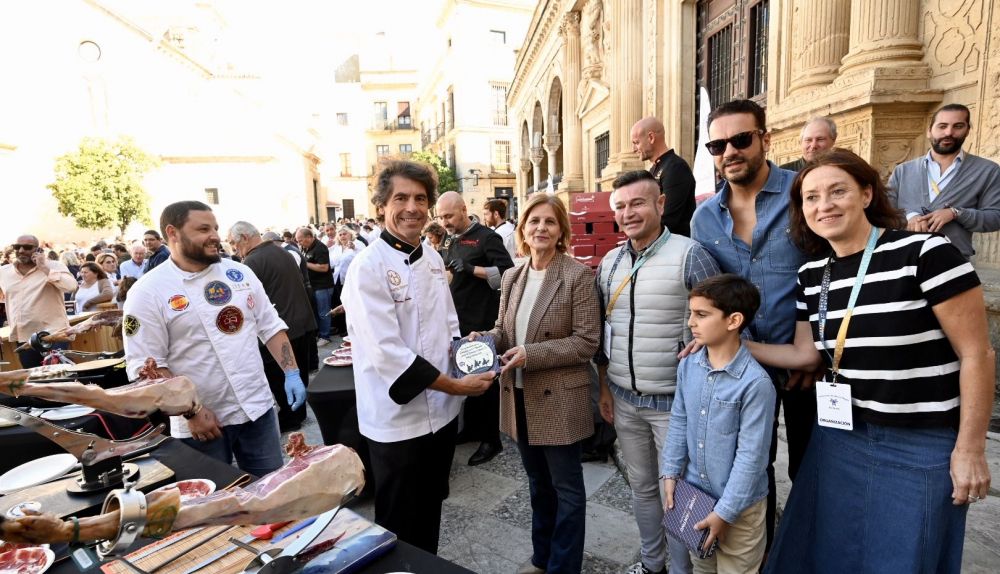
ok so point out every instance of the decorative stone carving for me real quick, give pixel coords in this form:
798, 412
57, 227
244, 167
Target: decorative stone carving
890, 153
593, 39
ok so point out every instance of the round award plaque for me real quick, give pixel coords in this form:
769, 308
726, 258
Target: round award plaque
474, 357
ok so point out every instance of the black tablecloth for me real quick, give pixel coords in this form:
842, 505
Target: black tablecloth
331, 397
188, 463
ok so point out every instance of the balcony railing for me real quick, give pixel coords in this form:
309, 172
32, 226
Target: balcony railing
403, 123
439, 131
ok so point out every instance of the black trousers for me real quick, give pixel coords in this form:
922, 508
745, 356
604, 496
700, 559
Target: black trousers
411, 482
800, 414
276, 379
338, 323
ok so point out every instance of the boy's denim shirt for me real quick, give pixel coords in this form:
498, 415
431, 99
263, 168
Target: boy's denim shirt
720, 428
771, 264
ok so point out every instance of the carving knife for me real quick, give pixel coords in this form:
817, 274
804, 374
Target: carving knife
260, 533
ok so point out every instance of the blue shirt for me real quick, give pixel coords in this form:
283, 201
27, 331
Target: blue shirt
720, 429
131, 269
771, 263
934, 175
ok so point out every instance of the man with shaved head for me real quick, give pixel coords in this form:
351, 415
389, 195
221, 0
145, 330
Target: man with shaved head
476, 258
32, 289
671, 172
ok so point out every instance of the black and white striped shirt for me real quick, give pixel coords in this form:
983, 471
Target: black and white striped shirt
899, 363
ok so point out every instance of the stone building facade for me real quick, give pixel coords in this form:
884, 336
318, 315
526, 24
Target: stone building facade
589, 69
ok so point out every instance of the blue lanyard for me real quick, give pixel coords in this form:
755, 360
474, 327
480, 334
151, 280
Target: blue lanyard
824, 301
643, 257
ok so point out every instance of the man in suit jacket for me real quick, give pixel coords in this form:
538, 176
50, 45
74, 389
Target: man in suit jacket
670, 170
817, 136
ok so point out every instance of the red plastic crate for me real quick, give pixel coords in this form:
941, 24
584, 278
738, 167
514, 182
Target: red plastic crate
578, 229
590, 261
603, 227
583, 201
581, 250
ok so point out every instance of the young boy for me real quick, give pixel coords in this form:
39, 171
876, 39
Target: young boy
720, 425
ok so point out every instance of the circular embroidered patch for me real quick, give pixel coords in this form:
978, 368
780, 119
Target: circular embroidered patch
178, 302
218, 293
229, 320
394, 278
130, 325
234, 275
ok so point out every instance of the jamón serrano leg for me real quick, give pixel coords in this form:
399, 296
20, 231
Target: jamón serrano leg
314, 481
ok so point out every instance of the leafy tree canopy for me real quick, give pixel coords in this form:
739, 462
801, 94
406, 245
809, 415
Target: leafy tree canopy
447, 180
99, 185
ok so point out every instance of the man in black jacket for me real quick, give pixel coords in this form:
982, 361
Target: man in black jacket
282, 281
476, 258
670, 170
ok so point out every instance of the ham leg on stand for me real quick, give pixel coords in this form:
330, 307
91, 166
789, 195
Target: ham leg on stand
315, 480
100, 319
173, 396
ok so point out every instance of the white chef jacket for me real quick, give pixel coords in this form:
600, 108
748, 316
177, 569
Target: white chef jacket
402, 320
185, 336
506, 232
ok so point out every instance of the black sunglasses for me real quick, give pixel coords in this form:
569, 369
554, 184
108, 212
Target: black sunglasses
739, 141
24, 246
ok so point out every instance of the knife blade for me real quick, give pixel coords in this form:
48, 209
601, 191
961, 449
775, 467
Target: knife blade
264, 532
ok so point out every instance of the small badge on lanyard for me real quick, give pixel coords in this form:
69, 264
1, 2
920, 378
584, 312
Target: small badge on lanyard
607, 339
833, 405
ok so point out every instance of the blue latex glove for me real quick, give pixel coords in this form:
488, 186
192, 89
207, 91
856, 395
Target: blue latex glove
295, 391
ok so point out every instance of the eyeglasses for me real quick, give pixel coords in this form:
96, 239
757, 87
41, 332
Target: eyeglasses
24, 246
739, 141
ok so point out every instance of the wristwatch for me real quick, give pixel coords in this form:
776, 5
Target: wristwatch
956, 211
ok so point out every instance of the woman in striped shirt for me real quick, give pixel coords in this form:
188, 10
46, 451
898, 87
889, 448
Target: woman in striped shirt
898, 321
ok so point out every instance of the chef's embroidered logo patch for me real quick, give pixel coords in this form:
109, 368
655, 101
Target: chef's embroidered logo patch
394, 279
229, 320
178, 302
130, 325
250, 301
218, 293
234, 275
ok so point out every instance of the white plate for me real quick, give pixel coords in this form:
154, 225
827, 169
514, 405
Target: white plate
5, 423
338, 362
67, 412
36, 472
347, 340
8, 561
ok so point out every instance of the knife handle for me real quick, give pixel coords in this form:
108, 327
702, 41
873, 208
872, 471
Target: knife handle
266, 531
295, 529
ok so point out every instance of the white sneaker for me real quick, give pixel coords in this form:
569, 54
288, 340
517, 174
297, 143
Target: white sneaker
322, 342
639, 568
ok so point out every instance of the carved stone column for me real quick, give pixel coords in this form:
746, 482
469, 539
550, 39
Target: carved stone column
525, 165
572, 148
626, 86
537, 155
552, 144
884, 33
821, 38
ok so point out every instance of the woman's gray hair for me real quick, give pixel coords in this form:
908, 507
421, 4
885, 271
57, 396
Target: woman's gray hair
243, 229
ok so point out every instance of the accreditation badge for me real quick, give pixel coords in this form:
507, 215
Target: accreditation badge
833, 405
607, 340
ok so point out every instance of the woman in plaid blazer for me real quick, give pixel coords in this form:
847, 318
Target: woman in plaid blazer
548, 330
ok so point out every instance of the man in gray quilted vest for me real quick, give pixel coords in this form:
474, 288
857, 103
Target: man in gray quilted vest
644, 287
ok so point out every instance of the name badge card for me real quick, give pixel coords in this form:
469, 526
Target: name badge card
607, 339
833, 405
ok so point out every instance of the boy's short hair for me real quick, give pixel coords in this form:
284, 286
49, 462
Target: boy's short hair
730, 293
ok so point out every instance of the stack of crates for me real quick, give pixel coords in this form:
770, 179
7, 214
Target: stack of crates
592, 224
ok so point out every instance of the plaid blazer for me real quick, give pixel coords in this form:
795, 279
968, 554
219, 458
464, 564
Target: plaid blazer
561, 340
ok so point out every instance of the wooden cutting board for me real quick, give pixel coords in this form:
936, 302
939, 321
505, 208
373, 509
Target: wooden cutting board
55, 499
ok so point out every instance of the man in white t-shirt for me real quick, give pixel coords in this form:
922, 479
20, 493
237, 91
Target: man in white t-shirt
495, 217
201, 316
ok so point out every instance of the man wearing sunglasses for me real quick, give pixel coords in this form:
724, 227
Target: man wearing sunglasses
671, 172
745, 227
32, 289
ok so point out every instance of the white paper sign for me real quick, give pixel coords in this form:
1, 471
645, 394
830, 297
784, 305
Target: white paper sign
833, 405
607, 340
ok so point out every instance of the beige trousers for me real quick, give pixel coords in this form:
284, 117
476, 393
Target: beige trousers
743, 549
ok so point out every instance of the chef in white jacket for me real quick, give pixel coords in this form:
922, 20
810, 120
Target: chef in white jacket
200, 316
402, 320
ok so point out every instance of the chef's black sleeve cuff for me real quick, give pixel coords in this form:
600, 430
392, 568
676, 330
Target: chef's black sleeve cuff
414, 380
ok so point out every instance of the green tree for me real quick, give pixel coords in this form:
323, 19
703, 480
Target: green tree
99, 185
447, 180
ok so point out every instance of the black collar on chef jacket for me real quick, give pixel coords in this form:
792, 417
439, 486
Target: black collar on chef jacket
398, 244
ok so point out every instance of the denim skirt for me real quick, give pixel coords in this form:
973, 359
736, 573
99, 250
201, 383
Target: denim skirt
875, 499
